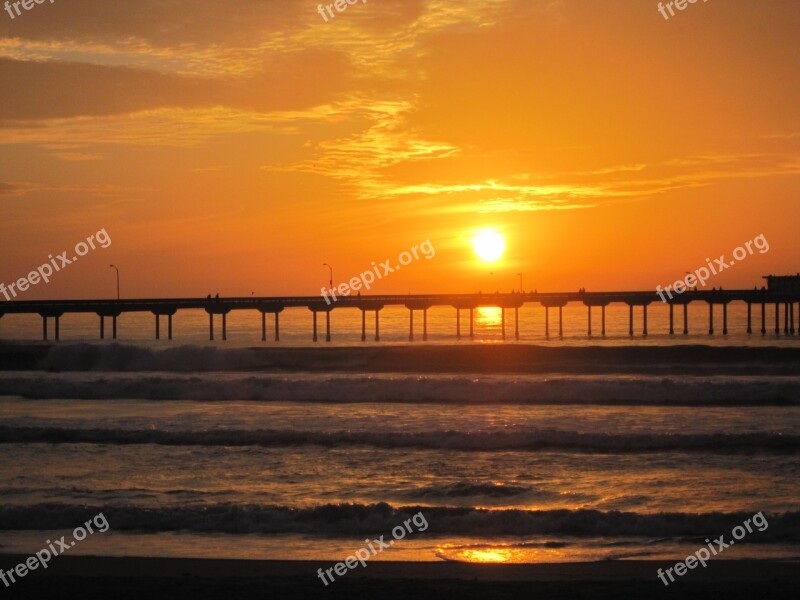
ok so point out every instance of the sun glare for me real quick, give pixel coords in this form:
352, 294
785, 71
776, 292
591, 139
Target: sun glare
488, 245
488, 316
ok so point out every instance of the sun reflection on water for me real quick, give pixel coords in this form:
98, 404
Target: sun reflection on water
489, 316
486, 554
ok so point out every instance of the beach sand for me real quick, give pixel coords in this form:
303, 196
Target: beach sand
89, 577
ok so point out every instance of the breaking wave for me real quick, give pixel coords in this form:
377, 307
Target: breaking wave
523, 439
350, 519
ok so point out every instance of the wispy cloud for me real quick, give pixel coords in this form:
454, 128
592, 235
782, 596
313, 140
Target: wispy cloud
361, 158
24, 188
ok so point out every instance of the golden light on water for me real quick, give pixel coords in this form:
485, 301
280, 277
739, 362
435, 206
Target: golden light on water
512, 554
486, 556
489, 316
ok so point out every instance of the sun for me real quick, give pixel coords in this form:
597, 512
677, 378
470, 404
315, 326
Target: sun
488, 245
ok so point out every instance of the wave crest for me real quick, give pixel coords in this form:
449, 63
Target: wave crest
525, 440
352, 519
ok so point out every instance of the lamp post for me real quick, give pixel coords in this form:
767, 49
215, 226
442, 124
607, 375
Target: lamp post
117, 270
330, 269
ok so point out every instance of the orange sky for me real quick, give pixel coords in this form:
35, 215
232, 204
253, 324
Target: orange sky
235, 147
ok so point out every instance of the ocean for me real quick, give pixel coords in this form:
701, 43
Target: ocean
240, 449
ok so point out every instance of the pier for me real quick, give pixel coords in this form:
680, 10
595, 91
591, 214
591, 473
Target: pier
762, 305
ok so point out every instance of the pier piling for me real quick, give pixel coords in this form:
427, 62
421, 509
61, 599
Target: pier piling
725, 319
644, 329
603, 313
327, 326
672, 319
471, 324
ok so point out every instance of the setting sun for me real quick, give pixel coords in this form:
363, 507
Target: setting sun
489, 245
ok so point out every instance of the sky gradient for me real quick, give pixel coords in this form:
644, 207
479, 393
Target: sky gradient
235, 147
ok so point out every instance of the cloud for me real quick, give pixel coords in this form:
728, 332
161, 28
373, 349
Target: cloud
77, 156
165, 23
57, 90
9, 189
363, 160
362, 157
399, 100
24, 188
53, 90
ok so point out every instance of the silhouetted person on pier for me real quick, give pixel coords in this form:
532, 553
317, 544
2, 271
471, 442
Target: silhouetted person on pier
217, 296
